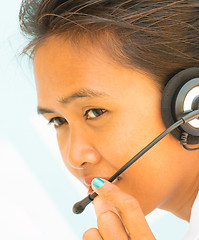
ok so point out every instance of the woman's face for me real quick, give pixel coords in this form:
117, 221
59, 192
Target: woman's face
104, 114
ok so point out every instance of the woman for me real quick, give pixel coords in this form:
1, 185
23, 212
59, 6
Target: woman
100, 68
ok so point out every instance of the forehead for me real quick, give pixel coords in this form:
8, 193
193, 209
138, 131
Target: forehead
61, 68
58, 62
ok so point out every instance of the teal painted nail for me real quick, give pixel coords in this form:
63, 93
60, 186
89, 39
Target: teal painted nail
98, 183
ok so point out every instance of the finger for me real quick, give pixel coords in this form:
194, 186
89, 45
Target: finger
128, 208
111, 227
91, 234
102, 206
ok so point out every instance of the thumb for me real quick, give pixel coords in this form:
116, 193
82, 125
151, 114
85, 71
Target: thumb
102, 206
127, 206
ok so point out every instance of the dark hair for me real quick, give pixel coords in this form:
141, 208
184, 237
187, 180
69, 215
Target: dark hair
159, 37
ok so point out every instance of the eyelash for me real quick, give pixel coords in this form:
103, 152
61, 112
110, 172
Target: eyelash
64, 121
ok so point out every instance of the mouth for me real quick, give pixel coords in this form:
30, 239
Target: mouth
88, 181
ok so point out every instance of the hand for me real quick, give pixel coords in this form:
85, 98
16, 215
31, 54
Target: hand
119, 216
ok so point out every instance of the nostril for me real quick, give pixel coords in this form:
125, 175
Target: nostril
80, 167
84, 165
81, 154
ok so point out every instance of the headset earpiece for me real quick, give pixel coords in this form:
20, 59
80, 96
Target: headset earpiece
181, 95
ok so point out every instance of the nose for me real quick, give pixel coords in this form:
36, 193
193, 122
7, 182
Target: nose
80, 151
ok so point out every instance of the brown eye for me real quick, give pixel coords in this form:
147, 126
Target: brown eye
94, 113
57, 121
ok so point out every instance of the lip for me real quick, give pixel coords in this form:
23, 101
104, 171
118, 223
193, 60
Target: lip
88, 180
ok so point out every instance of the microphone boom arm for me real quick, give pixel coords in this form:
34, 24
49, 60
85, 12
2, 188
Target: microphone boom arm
80, 206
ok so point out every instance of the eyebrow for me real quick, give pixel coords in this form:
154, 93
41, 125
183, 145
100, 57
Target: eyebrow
80, 93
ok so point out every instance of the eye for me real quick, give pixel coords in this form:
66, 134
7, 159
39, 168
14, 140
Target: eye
57, 121
94, 113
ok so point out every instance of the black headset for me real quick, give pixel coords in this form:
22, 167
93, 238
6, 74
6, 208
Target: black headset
180, 96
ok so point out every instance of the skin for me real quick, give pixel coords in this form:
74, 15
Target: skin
166, 177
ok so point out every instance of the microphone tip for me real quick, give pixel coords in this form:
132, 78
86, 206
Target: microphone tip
80, 206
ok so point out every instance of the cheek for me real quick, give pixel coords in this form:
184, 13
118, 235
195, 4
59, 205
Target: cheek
156, 176
128, 134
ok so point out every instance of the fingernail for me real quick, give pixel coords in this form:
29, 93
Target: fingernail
97, 182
